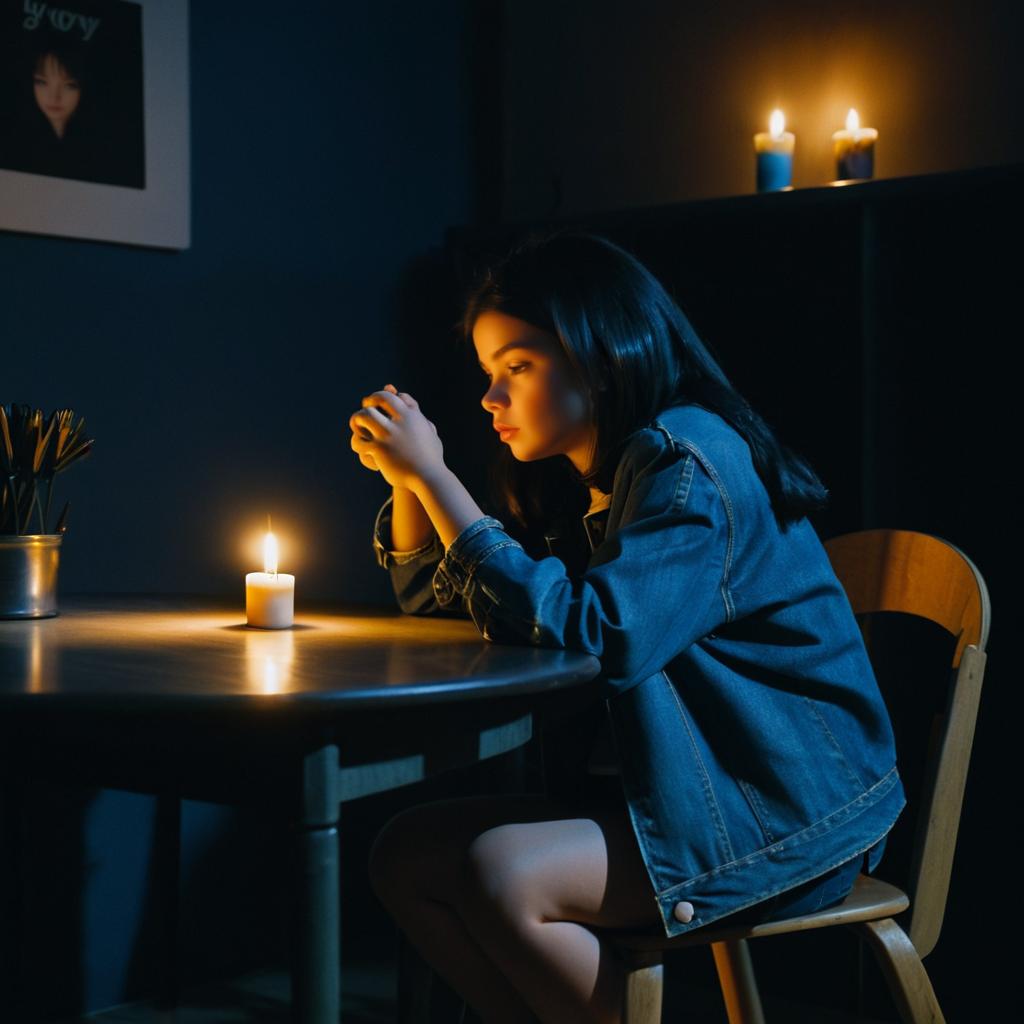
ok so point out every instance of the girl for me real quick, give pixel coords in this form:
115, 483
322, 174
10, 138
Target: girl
747, 768
55, 133
57, 91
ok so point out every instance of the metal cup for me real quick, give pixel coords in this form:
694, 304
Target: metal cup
28, 575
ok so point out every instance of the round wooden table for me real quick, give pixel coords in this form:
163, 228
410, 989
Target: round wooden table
180, 698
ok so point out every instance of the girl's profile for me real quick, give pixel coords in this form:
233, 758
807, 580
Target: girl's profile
738, 760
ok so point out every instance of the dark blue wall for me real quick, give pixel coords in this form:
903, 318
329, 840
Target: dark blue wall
331, 146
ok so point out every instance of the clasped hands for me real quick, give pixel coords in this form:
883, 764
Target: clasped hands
391, 436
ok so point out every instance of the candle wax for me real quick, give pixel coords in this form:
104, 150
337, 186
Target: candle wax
270, 599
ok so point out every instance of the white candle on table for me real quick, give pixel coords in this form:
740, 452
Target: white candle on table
270, 595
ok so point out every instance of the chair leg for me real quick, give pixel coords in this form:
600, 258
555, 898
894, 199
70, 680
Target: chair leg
905, 975
644, 982
736, 977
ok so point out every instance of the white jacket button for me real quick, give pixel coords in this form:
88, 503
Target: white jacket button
683, 912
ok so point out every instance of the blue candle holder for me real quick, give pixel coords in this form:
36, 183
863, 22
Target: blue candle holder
854, 149
774, 171
856, 162
774, 156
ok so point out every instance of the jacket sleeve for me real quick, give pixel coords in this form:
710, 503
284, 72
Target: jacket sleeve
412, 572
654, 586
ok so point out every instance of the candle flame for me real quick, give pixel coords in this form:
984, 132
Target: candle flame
776, 124
270, 553
852, 121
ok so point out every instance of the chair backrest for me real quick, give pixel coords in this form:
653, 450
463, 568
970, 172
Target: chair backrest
917, 574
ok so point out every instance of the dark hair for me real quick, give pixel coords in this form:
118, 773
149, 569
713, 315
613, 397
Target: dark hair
635, 354
67, 59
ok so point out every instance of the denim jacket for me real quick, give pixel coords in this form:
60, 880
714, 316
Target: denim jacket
754, 747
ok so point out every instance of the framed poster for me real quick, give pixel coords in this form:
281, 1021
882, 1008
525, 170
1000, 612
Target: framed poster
94, 127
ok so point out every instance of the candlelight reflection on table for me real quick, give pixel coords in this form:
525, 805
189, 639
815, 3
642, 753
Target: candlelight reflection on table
268, 661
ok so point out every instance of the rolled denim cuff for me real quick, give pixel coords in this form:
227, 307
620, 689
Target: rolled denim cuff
455, 571
385, 556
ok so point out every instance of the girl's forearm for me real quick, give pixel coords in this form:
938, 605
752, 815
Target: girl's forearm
449, 505
410, 524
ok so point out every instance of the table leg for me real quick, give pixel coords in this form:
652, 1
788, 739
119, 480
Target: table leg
316, 966
12, 909
167, 856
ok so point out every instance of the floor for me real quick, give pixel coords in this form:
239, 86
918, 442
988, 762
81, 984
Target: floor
368, 997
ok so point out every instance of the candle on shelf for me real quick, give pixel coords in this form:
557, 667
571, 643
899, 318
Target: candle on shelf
855, 149
270, 595
774, 149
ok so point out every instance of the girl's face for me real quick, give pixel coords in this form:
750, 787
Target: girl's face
532, 388
57, 92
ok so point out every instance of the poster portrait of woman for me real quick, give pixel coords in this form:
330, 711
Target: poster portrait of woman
71, 103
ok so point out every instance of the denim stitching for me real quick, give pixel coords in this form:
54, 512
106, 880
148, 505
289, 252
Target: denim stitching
670, 896
760, 812
404, 557
685, 477
716, 811
443, 586
483, 523
730, 610
468, 571
450, 569
683, 484
854, 807
496, 546
839, 750
632, 797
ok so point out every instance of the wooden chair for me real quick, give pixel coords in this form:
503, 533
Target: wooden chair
882, 571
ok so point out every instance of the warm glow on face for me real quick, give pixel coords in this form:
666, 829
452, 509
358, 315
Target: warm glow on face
776, 123
270, 553
532, 387
852, 121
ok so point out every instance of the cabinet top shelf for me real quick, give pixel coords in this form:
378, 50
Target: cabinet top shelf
875, 190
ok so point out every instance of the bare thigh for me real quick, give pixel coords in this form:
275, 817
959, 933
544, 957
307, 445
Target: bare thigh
524, 853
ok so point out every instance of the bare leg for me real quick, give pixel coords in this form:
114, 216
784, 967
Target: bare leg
502, 910
417, 868
536, 898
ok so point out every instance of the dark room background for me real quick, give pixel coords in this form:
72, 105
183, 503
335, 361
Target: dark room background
333, 147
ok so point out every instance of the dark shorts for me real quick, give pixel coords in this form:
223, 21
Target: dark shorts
819, 893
